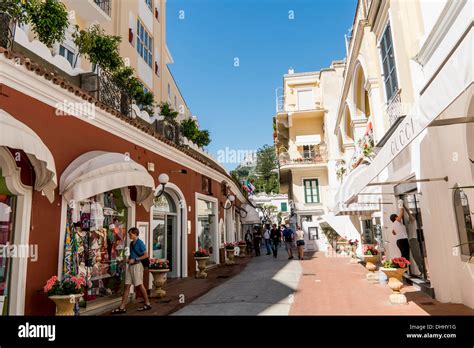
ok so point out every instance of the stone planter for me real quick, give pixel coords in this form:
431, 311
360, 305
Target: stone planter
396, 273
65, 303
230, 256
201, 266
159, 279
396, 297
371, 265
243, 251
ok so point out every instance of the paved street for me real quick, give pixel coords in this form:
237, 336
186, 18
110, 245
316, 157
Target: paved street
265, 287
319, 285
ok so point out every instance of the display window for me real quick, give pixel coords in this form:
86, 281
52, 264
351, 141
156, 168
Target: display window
7, 228
164, 230
99, 237
206, 229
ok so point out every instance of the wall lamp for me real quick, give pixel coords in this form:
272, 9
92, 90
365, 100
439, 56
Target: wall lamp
163, 179
231, 198
242, 212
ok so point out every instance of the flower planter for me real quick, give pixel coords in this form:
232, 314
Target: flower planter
371, 262
201, 266
396, 273
242, 248
159, 279
372, 258
65, 303
230, 256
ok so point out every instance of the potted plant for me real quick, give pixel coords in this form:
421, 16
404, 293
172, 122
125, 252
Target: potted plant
242, 246
394, 268
158, 268
64, 293
201, 256
371, 258
353, 243
230, 251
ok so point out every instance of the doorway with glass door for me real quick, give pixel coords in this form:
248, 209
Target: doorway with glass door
164, 228
413, 222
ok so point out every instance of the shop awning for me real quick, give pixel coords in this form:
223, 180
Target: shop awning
252, 215
96, 172
16, 135
302, 140
350, 204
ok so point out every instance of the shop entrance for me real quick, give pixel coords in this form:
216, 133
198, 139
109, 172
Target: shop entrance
164, 229
414, 224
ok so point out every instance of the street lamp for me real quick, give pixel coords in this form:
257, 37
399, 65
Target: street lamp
231, 198
163, 179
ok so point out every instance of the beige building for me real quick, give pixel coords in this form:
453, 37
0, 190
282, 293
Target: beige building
404, 128
142, 26
306, 109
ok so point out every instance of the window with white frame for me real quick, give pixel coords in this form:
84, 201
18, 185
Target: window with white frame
67, 53
144, 43
149, 3
388, 63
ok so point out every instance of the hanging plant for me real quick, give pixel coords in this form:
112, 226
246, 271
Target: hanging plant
48, 19
189, 128
203, 138
168, 112
99, 48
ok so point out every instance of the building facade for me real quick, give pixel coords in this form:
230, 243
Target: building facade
306, 149
77, 173
412, 62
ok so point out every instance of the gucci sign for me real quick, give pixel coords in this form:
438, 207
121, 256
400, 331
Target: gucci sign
403, 135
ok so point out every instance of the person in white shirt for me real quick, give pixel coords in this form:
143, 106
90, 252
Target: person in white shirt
266, 237
400, 232
300, 242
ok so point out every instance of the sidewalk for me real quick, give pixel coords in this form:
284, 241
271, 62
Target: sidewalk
190, 287
333, 286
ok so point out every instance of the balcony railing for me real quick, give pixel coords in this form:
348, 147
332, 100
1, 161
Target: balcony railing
104, 6
303, 157
395, 108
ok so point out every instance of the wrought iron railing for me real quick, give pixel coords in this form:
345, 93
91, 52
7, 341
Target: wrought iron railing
7, 30
395, 108
303, 157
104, 5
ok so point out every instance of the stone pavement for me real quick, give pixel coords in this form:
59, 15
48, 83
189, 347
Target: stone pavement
266, 287
333, 286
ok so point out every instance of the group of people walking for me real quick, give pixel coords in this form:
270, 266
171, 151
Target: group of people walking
273, 237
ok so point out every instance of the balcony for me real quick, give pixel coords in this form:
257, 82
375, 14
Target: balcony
91, 10
394, 109
303, 158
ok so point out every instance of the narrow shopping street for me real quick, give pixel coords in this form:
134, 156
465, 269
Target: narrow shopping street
322, 284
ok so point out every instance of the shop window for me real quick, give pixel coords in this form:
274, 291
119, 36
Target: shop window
464, 222
144, 43
388, 64
206, 228
164, 229
96, 247
311, 190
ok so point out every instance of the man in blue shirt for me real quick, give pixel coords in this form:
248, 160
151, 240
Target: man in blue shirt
288, 236
134, 272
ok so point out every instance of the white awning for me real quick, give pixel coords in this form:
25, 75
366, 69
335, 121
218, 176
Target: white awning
342, 225
96, 172
16, 135
302, 140
252, 215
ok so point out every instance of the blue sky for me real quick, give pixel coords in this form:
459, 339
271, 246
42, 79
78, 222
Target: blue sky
236, 104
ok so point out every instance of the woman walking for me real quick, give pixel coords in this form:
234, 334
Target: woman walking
300, 242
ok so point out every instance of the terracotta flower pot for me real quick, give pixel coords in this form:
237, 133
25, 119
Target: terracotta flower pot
201, 266
230, 256
159, 279
65, 303
396, 273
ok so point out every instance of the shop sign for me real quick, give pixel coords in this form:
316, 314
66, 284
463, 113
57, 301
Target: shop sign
402, 136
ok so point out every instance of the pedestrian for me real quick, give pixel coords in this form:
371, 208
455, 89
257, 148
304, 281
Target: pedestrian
249, 241
134, 271
288, 236
300, 242
400, 231
257, 240
275, 237
266, 238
